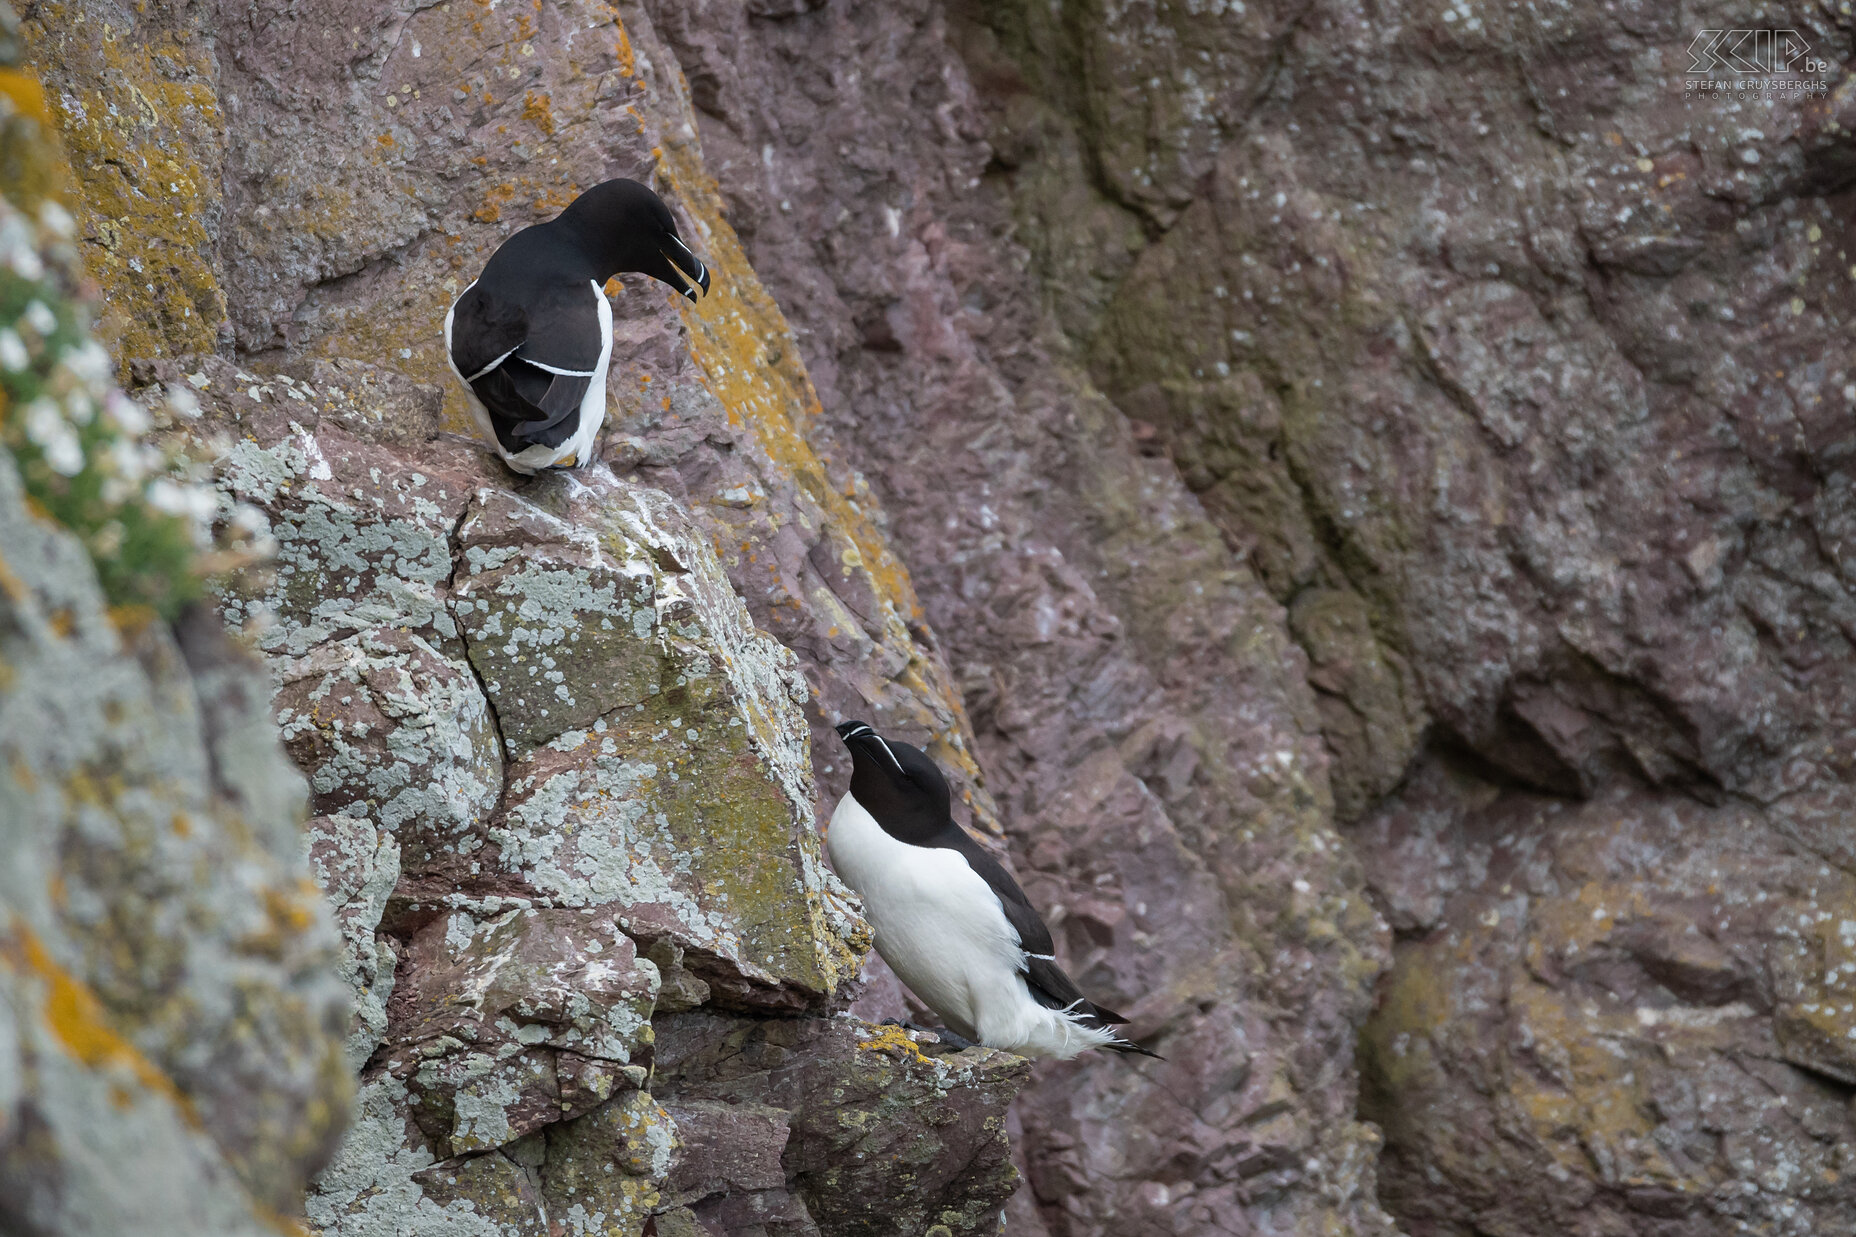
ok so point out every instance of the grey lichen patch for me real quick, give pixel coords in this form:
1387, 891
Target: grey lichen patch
481, 1096
386, 723
365, 556
559, 628
499, 1189
673, 779
603, 1170
169, 1007
362, 533
519, 1020
357, 864
368, 1189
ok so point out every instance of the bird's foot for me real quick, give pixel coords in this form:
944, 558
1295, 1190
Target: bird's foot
958, 1043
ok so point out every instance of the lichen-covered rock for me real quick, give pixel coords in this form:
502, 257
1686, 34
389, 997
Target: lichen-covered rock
170, 1017
1145, 718
357, 864
1536, 415
578, 766
662, 766
835, 1127
517, 1020
391, 723
1533, 416
136, 95
346, 206
542, 733
1620, 1015
172, 1042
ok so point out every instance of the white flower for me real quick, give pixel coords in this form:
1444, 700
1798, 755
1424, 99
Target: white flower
89, 361
13, 354
65, 454
203, 506
187, 501
127, 415
182, 402
44, 420
15, 237
26, 263
40, 318
250, 520
164, 495
81, 408
46, 426
128, 460
57, 220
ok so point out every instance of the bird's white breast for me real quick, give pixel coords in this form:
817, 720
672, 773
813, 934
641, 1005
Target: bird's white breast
940, 927
937, 923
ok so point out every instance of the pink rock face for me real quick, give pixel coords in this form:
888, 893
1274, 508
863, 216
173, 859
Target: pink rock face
1607, 1015
1520, 393
1142, 714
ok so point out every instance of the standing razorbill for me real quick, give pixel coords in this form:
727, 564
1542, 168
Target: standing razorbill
531, 337
952, 923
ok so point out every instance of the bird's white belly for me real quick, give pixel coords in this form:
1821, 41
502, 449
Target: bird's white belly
937, 924
939, 927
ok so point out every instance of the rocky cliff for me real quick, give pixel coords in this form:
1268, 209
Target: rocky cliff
561, 795
170, 1019
1374, 490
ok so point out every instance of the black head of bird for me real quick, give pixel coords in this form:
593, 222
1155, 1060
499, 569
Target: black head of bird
897, 784
623, 226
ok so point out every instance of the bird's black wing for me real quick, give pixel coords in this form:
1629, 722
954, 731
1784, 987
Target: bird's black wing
529, 352
1049, 985
485, 331
1048, 982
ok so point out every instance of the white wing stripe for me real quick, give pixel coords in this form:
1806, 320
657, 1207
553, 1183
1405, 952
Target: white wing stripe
492, 365
565, 373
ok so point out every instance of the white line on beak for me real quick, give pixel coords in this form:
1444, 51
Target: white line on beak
890, 754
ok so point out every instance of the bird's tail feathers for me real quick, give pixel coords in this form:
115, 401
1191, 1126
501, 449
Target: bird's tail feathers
1124, 1047
1099, 1024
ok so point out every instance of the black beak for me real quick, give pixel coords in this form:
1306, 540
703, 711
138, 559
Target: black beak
849, 731
679, 254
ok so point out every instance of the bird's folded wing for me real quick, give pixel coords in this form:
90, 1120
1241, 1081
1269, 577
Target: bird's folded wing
530, 358
485, 330
1047, 981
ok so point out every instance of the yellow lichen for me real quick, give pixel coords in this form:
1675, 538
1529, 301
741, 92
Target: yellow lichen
31, 166
537, 110
77, 1019
142, 127
749, 360
10, 584
892, 1041
25, 93
628, 59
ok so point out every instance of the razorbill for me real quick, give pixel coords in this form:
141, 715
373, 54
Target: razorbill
531, 337
952, 923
